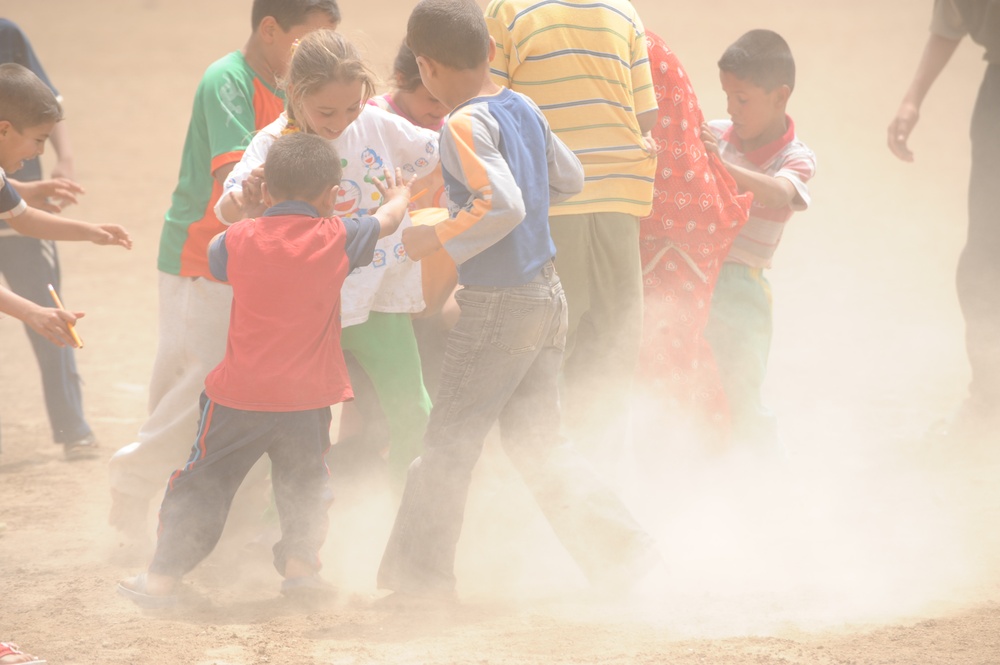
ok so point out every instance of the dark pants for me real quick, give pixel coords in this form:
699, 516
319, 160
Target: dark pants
229, 443
29, 266
978, 276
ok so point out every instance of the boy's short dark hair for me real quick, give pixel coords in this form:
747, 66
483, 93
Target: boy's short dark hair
761, 57
25, 101
300, 167
452, 32
290, 13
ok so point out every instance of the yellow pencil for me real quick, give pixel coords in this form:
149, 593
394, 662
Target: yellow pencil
72, 330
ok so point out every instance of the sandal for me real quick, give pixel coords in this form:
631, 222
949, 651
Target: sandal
7, 649
136, 590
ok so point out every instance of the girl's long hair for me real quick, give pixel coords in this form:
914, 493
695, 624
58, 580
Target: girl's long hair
321, 57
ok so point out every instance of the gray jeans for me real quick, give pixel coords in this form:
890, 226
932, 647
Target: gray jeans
502, 363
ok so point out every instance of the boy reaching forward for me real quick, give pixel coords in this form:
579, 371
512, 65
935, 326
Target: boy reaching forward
503, 168
29, 112
282, 371
762, 153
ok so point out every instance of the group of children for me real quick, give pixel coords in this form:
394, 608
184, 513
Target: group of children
292, 231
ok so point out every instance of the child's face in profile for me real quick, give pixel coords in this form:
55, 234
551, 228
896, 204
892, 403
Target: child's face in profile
18, 146
758, 115
422, 106
329, 110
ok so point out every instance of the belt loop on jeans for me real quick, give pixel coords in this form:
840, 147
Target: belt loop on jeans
546, 273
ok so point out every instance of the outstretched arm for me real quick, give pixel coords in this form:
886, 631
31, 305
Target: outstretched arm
395, 191
40, 224
50, 195
937, 53
50, 323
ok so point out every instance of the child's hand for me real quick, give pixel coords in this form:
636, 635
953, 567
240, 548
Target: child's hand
708, 138
49, 195
420, 242
252, 200
111, 234
53, 324
394, 187
649, 143
395, 200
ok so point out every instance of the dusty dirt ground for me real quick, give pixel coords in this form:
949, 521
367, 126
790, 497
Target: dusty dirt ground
869, 545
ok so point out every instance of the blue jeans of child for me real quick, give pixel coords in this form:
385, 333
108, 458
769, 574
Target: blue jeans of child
502, 364
29, 266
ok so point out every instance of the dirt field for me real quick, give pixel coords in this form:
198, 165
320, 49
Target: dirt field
868, 547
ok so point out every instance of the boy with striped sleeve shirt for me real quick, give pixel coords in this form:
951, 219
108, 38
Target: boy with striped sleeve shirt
760, 150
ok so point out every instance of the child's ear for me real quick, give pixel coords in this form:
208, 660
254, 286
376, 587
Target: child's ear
491, 53
784, 92
5, 127
424, 66
266, 29
265, 194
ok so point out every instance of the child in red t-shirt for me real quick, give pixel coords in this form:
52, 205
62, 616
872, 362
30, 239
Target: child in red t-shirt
282, 370
696, 214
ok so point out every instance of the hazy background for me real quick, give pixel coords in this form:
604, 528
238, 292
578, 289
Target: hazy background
864, 523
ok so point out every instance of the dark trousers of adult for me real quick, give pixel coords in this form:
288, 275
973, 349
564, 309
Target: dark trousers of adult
230, 441
502, 364
29, 266
978, 277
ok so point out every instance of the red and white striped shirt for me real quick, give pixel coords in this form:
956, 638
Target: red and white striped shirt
786, 157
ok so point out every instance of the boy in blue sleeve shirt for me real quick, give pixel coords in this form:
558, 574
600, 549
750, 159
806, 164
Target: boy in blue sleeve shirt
503, 168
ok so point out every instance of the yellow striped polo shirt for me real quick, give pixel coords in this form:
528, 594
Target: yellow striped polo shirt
585, 65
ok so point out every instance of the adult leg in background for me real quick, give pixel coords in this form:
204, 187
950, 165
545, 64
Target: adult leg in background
979, 268
598, 262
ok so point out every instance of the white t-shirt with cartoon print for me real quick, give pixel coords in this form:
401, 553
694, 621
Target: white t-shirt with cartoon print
377, 140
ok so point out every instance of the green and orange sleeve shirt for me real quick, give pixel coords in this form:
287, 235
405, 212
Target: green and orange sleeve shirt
230, 105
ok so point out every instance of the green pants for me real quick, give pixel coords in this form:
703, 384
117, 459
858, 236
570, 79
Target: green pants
739, 331
386, 349
597, 258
